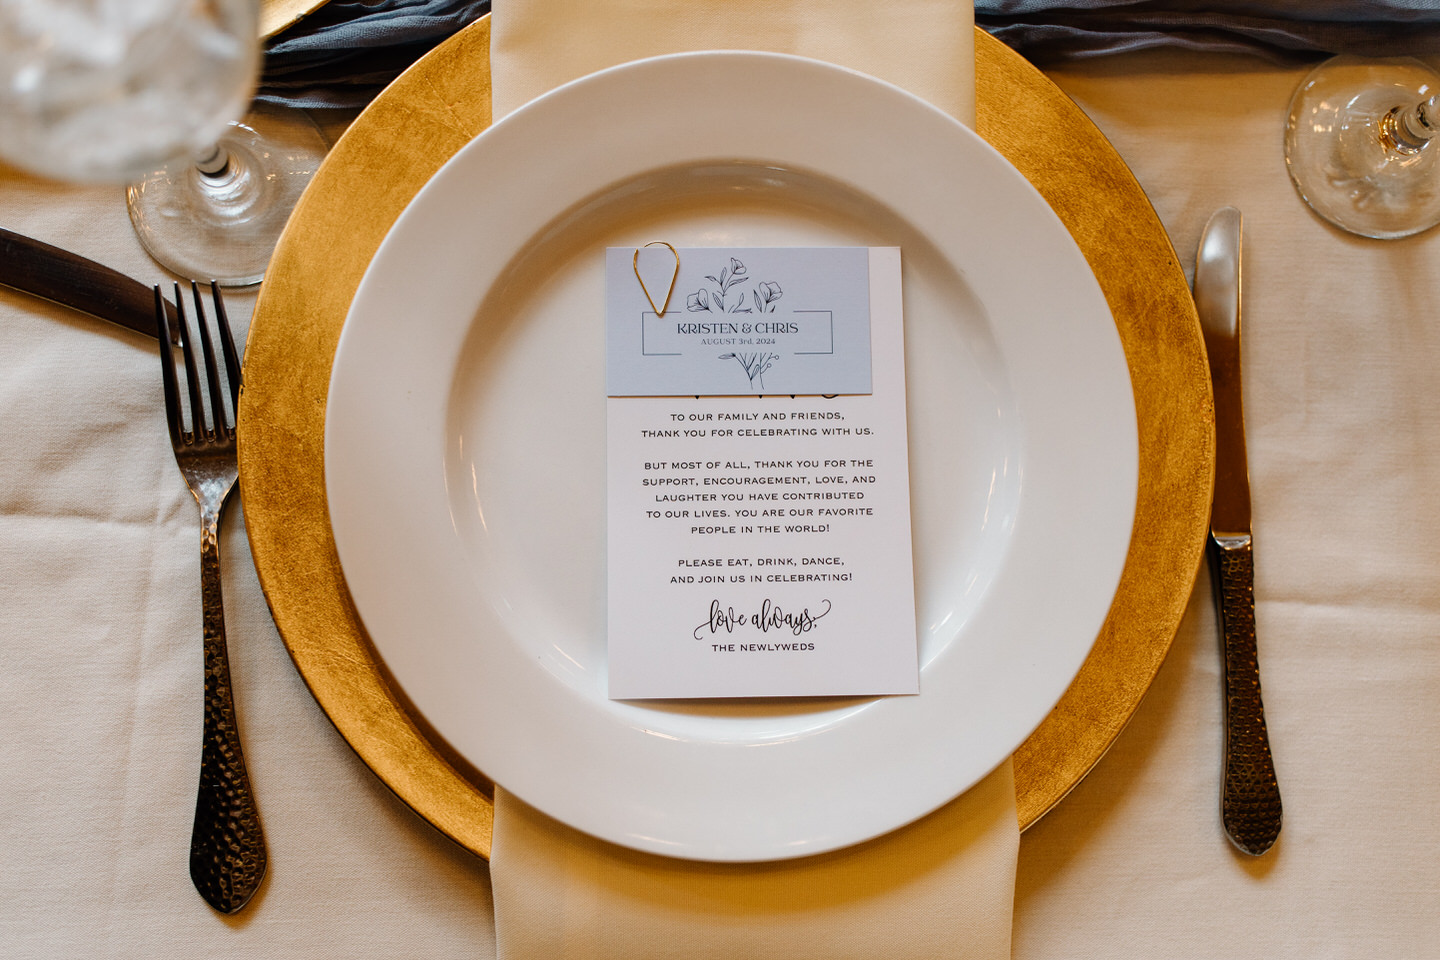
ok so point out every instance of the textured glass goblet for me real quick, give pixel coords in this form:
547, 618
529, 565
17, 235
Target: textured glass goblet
145, 92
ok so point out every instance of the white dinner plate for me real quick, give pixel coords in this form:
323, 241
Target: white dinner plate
465, 449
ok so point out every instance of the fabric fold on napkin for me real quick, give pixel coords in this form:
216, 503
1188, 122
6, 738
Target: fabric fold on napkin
943, 886
925, 46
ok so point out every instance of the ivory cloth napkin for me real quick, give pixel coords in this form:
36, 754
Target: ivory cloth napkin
941, 887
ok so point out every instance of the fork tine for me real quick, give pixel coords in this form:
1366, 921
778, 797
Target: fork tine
212, 373
233, 371
192, 376
167, 368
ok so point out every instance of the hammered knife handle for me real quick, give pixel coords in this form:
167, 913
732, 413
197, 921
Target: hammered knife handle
1249, 795
227, 847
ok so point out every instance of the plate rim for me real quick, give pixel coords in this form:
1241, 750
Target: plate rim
453, 179
432, 110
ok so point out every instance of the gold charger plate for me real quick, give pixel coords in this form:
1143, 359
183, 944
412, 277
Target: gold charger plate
433, 110
276, 15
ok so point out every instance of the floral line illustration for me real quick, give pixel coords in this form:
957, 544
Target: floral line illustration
763, 296
754, 364
723, 297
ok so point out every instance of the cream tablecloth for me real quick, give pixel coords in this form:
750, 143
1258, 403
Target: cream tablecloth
99, 614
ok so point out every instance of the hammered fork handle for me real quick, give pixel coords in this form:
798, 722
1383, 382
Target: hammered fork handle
1250, 795
227, 848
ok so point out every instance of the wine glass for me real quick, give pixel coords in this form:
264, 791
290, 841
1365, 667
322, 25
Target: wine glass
1360, 145
219, 214
144, 92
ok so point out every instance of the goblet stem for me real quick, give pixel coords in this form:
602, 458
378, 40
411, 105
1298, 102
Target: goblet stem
1409, 131
212, 161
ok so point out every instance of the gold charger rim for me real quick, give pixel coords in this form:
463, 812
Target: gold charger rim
276, 15
432, 110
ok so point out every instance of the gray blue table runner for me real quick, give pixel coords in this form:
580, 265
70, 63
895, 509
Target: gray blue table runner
348, 50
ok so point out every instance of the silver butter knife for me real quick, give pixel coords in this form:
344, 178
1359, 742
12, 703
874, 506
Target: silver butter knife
1249, 795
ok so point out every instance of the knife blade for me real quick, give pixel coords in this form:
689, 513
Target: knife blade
73, 281
1250, 795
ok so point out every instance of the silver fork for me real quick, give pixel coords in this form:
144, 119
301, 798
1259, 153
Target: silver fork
227, 848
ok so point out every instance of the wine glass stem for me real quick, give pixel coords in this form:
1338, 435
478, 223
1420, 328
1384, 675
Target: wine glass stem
213, 162
1409, 131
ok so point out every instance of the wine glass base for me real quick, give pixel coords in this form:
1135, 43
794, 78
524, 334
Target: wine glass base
223, 226
1338, 155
